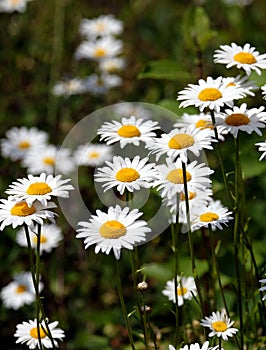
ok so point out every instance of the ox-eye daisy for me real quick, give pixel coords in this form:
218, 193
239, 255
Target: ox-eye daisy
100, 84
242, 82
128, 130
39, 188
19, 141
210, 93
245, 57
126, 174
263, 288
116, 229
182, 143
196, 346
92, 154
241, 119
112, 64
27, 332
220, 325
17, 214
263, 88
186, 289
20, 291
262, 148
50, 236
10, 6
68, 87
100, 26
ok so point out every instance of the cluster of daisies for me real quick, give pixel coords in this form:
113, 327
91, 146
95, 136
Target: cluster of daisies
102, 47
10, 6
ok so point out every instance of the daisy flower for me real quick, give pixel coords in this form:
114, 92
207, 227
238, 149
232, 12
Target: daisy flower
27, 332
101, 26
170, 181
101, 84
128, 109
126, 174
196, 346
181, 143
129, 130
112, 64
20, 291
50, 237
263, 288
242, 82
17, 214
19, 141
186, 289
213, 214
210, 93
116, 229
263, 88
241, 119
68, 87
39, 188
220, 325
92, 154
245, 57
13, 5
262, 148
100, 48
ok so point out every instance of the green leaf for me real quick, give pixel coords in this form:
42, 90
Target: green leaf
163, 69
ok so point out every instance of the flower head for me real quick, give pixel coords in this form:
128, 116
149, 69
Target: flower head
263, 88
118, 228
220, 325
186, 289
10, 6
92, 154
97, 84
242, 82
68, 87
196, 346
104, 25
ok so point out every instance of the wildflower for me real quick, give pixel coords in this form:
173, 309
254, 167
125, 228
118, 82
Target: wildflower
19, 141
262, 148
27, 332
181, 143
126, 174
196, 346
186, 289
263, 88
68, 87
39, 188
112, 64
104, 25
245, 57
213, 214
129, 130
20, 291
212, 94
19, 213
242, 82
263, 288
101, 84
116, 229
92, 154
128, 109
10, 6
50, 236
220, 325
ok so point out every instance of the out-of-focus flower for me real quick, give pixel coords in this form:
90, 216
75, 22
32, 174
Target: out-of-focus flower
10, 6
186, 289
102, 26
101, 84
112, 64
92, 154
68, 87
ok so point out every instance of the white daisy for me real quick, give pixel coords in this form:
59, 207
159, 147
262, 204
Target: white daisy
186, 289
182, 143
39, 188
101, 26
263, 88
210, 93
112, 64
100, 48
19, 141
213, 214
20, 291
129, 130
242, 82
13, 5
263, 288
245, 57
170, 181
116, 229
50, 237
197, 346
220, 325
241, 119
68, 87
27, 332
126, 174
92, 154
17, 214
128, 109
262, 148
100, 84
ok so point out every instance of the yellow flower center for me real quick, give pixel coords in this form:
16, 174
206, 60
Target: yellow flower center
191, 195
39, 188
43, 239
49, 161
245, 58
180, 141
181, 291
237, 119
24, 145
22, 209
127, 175
100, 26
204, 124
99, 52
231, 84
176, 176
112, 229
219, 326
210, 94
94, 155
21, 289
34, 333
128, 131
14, 2
209, 216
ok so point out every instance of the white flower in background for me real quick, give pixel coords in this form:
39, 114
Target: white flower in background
210, 93
246, 57
263, 88
51, 236
263, 288
101, 26
112, 64
220, 325
128, 109
197, 346
262, 148
242, 82
10, 6
100, 84
20, 291
68, 87
118, 228
92, 154
186, 289
27, 333
20, 141
99, 49
129, 130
